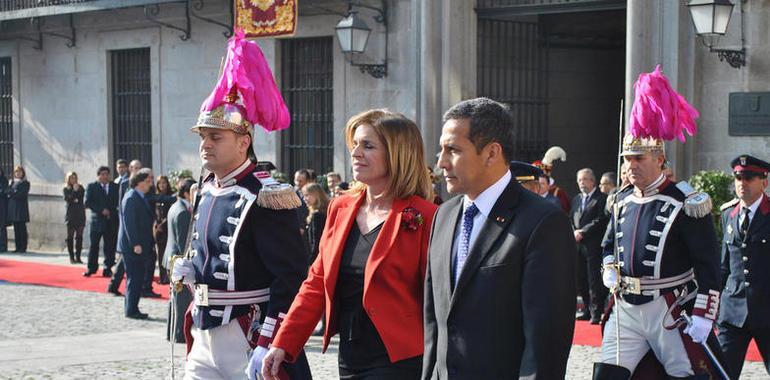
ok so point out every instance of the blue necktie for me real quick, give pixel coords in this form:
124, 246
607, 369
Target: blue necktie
465, 239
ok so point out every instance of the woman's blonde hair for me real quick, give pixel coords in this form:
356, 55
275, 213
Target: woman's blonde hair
67, 178
404, 150
23, 172
321, 199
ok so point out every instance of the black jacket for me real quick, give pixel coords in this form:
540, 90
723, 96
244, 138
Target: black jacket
75, 214
592, 221
745, 282
97, 200
18, 202
512, 312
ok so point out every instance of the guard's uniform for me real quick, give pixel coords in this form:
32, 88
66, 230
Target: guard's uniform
666, 247
249, 264
745, 307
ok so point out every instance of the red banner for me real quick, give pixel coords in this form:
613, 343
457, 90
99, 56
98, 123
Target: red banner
266, 18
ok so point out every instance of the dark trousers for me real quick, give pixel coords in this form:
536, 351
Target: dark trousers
108, 236
20, 236
135, 269
160, 247
117, 275
74, 241
149, 271
403, 370
735, 342
3, 236
590, 284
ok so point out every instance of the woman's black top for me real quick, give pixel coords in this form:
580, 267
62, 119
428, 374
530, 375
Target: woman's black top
360, 344
75, 215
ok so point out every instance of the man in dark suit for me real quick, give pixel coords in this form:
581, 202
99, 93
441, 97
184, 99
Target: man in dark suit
102, 200
744, 310
589, 221
179, 216
500, 288
125, 171
135, 240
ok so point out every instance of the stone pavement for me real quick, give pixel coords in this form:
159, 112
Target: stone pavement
53, 333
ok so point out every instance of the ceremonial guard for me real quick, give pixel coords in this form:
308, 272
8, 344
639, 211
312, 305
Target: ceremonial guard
659, 253
527, 175
546, 164
745, 308
246, 260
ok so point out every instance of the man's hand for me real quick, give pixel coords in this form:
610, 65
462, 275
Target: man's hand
699, 328
578, 236
106, 212
138, 249
271, 364
183, 270
255, 363
610, 276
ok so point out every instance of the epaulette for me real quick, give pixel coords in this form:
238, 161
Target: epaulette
729, 204
696, 204
275, 195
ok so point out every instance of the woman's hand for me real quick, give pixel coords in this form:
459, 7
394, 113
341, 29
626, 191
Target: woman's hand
271, 364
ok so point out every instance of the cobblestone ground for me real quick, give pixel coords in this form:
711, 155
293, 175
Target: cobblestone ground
52, 333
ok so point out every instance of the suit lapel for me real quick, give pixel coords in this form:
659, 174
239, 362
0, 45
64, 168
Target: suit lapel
760, 218
442, 242
385, 239
497, 222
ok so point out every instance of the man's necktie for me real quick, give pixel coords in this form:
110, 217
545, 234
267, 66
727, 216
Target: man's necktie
105, 189
744, 229
585, 201
465, 239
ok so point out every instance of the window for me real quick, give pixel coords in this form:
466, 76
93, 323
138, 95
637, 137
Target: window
6, 117
131, 118
306, 86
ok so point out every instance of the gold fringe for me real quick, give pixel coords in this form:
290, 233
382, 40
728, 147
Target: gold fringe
698, 205
278, 197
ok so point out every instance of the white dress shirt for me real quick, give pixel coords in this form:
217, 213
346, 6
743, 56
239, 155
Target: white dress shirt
484, 202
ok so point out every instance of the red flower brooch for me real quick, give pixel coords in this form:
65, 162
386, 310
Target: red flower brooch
411, 219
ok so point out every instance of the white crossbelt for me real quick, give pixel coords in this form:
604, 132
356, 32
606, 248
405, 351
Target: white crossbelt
635, 285
214, 297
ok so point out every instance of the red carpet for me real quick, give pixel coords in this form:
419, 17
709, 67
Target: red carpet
61, 276
70, 277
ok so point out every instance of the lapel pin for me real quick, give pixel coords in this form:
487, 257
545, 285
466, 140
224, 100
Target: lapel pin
500, 219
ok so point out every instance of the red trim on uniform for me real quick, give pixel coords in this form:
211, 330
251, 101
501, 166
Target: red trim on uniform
245, 172
764, 206
749, 168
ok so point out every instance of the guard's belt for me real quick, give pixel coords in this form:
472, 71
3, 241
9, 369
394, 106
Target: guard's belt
636, 285
214, 297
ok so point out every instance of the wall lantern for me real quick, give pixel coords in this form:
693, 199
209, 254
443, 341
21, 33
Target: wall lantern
711, 18
353, 36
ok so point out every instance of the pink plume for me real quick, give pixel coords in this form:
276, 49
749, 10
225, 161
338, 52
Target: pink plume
660, 112
246, 69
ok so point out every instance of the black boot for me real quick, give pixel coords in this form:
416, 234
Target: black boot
605, 371
78, 249
71, 251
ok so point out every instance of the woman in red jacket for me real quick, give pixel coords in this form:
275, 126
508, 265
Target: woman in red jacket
368, 276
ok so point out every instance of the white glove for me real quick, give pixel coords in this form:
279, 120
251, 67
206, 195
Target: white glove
699, 329
183, 270
610, 277
255, 363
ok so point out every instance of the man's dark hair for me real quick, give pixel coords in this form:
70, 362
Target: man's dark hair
184, 187
139, 177
489, 120
103, 168
305, 173
121, 161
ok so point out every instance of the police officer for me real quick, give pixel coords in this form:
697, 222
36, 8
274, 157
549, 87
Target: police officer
528, 175
246, 260
745, 306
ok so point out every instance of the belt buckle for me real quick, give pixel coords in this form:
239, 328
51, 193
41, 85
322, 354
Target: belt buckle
632, 285
201, 295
